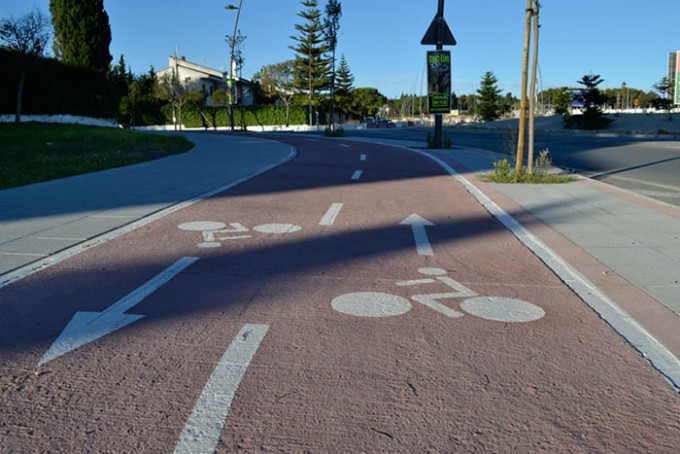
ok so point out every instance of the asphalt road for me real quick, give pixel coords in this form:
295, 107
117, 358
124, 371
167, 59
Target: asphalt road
647, 166
356, 299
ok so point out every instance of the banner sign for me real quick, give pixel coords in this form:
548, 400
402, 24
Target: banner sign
439, 82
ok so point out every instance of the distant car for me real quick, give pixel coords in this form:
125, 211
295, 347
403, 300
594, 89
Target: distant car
386, 124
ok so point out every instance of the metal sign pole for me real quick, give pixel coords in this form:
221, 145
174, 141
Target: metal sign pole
439, 118
440, 35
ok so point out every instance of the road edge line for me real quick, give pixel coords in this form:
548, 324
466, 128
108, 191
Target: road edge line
619, 320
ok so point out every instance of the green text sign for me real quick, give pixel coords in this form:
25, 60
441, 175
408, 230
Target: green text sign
439, 82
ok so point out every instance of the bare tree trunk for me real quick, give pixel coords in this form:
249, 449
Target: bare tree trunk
20, 96
532, 90
521, 141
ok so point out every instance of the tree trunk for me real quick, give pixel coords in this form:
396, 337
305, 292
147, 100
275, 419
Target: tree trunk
521, 141
20, 96
532, 90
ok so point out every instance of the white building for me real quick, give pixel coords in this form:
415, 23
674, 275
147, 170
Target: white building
201, 78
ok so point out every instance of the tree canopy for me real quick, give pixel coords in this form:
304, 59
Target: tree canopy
367, 101
311, 64
489, 106
82, 34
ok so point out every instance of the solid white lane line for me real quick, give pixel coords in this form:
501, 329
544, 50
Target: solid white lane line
357, 174
331, 214
362, 157
202, 432
622, 322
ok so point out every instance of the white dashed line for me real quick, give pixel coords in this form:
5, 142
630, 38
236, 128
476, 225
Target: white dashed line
202, 432
357, 174
331, 214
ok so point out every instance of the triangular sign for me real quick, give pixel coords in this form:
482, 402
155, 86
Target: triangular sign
432, 35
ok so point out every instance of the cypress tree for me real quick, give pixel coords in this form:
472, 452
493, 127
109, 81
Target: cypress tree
82, 33
311, 65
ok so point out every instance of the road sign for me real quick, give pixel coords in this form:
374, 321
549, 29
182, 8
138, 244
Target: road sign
439, 34
432, 35
439, 82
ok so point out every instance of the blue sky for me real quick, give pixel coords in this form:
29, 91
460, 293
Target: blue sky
622, 40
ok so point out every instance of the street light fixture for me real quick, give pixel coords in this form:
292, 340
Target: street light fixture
230, 82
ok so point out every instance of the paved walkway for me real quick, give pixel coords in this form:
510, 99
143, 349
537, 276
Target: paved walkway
40, 220
634, 236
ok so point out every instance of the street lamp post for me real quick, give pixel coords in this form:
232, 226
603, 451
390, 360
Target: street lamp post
230, 82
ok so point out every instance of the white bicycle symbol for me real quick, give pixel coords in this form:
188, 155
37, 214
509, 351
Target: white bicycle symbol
210, 231
378, 304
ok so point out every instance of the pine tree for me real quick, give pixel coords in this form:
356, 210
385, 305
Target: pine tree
344, 85
592, 98
82, 34
489, 106
311, 65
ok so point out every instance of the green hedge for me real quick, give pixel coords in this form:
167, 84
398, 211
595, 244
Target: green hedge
267, 115
55, 88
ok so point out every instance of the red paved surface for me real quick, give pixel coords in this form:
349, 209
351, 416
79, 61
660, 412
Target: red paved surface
323, 381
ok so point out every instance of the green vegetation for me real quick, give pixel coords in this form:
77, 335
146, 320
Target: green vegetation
337, 132
31, 152
592, 99
489, 107
505, 173
312, 66
82, 33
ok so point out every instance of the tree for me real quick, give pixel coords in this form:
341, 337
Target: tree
171, 89
332, 26
345, 86
665, 102
236, 44
489, 107
311, 66
591, 98
279, 80
28, 36
522, 134
367, 101
82, 34
562, 101
532, 88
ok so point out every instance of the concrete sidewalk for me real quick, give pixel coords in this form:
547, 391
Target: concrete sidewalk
634, 236
619, 251
40, 220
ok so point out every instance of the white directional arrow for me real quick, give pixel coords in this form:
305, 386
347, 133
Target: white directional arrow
418, 225
86, 327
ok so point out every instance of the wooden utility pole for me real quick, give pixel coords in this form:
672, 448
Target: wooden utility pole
532, 90
521, 141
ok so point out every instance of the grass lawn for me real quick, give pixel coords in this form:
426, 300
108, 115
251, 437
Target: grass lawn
33, 152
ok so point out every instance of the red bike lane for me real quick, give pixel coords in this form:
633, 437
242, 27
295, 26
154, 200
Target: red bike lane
374, 329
